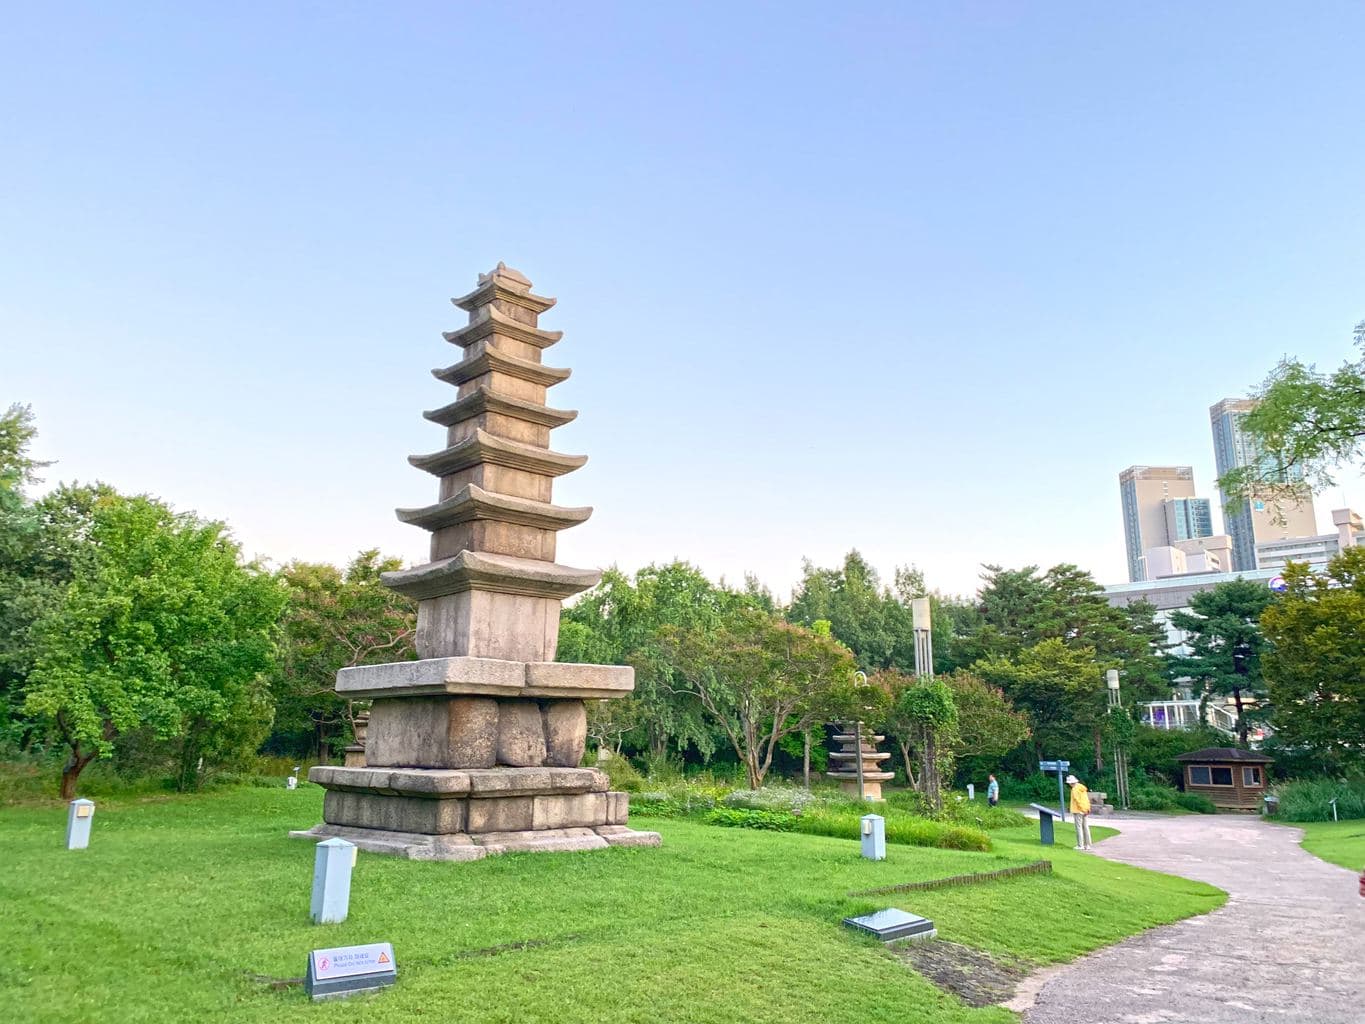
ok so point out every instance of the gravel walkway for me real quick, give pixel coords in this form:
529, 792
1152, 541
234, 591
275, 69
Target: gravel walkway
1288, 946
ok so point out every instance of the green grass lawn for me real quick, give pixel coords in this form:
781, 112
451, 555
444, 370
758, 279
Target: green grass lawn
183, 909
1338, 842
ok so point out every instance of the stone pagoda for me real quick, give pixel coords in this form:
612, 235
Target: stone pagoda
475, 748
850, 752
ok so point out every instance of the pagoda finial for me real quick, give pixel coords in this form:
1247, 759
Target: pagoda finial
508, 277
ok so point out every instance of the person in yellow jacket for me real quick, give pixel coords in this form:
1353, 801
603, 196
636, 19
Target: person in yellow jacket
1080, 810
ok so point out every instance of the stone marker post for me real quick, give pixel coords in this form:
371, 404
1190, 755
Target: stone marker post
475, 748
332, 865
79, 815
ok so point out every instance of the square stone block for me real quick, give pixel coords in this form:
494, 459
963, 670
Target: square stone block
501, 814
484, 624
521, 734
394, 813
570, 811
565, 725
432, 732
618, 808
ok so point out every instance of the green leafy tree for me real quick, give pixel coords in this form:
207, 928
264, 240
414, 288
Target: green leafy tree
1059, 687
162, 626
758, 679
865, 616
922, 717
335, 619
619, 622
1306, 425
987, 723
1315, 663
1223, 634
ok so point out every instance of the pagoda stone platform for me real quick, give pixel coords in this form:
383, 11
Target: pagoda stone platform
476, 748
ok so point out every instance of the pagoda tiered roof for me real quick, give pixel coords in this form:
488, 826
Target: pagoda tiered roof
482, 400
493, 535
472, 502
494, 361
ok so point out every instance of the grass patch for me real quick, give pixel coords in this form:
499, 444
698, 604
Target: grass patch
1337, 842
192, 908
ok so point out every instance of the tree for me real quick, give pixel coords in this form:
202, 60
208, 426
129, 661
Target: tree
1314, 664
618, 622
865, 616
1223, 633
161, 626
1060, 688
1306, 425
923, 718
335, 619
987, 723
758, 679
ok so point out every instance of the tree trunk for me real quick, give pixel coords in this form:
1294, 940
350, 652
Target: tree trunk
71, 771
1241, 718
909, 770
805, 760
1099, 750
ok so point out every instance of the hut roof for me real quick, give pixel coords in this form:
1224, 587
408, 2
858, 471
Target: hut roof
1226, 754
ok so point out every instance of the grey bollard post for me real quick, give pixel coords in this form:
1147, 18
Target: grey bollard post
971, 791
79, 814
874, 837
332, 880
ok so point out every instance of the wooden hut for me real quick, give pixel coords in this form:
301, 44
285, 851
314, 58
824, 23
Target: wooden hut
1235, 780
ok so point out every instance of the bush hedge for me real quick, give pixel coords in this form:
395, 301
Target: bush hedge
1311, 799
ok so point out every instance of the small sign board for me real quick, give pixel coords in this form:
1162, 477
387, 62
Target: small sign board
346, 970
1053, 766
892, 925
1278, 585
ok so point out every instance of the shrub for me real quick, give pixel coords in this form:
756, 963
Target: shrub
979, 814
769, 821
624, 776
1310, 799
900, 829
1195, 802
657, 805
771, 798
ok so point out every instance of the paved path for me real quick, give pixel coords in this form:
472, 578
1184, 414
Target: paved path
1288, 946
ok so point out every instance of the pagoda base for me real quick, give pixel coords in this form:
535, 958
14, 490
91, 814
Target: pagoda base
848, 782
444, 814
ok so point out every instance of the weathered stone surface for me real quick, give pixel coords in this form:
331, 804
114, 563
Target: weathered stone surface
395, 813
618, 835
521, 736
569, 811
565, 724
569, 679
501, 814
488, 624
411, 845
433, 676
544, 841
618, 808
433, 732
437, 783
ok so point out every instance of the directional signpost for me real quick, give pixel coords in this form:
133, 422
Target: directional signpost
1060, 768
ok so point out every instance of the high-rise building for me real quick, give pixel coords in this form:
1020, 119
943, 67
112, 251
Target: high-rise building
1188, 518
1256, 520
1159, 508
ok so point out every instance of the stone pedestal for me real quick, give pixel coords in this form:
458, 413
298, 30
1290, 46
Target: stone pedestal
355, 752
845, 765
475, 748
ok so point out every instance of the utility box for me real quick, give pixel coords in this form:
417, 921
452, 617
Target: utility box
332, 880
1045, 816
79, 815
874, 837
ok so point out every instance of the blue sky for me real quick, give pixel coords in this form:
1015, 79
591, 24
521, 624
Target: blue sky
919, 279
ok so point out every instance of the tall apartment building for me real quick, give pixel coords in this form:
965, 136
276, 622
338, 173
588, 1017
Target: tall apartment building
1159, 508
1256, 520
